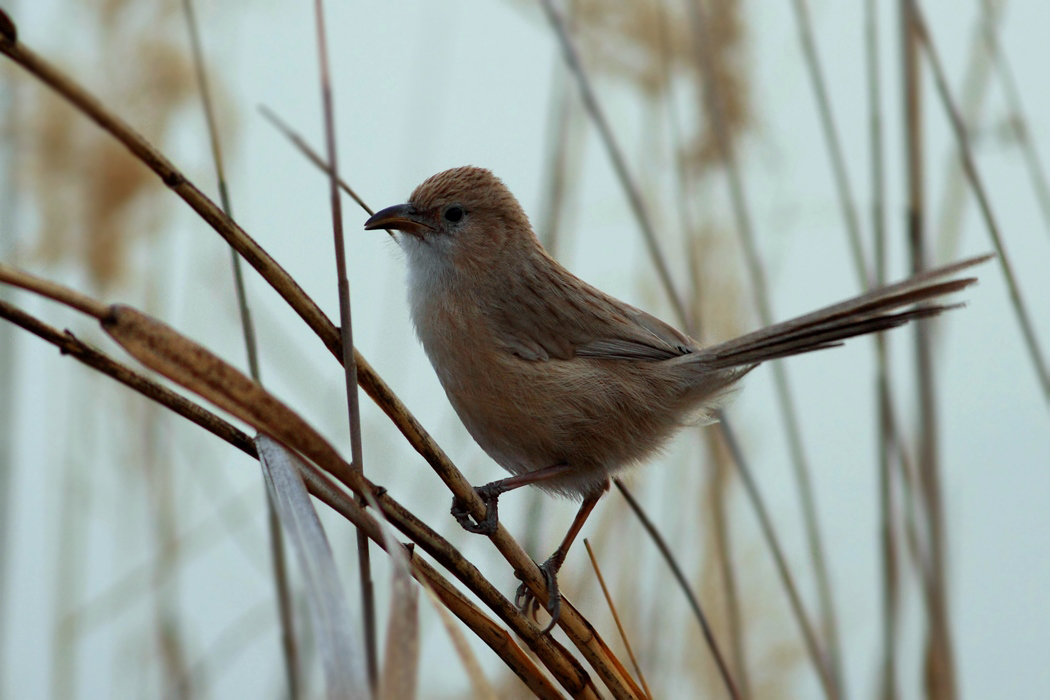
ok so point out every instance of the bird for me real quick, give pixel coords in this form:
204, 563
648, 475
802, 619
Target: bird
561, 384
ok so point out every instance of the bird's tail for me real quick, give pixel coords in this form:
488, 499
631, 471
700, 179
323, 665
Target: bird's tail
878, 310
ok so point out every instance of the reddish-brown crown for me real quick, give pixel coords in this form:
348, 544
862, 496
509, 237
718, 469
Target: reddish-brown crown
475, 189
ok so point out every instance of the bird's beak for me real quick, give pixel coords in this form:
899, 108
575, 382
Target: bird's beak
400, 217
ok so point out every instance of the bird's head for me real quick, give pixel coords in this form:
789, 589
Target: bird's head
465, 217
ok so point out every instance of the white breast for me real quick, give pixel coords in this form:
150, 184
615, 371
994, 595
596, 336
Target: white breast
432, 287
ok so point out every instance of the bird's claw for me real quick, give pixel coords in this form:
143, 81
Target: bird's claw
529, 605
487, 526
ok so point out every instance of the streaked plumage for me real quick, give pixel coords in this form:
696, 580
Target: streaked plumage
544, 369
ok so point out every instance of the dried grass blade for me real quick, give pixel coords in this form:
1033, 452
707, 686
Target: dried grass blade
616, 618
319, 485
180, 359
311, 444
340, 657
401, 658
400, 670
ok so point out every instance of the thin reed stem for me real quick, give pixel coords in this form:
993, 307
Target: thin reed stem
972, 174
826, 669
616, 618
556, 155
719, 473
940, 675
247, 327
683, 582
1003, 69
563, 666
280, 570
973, 94
347, 337
852, 222
70, 559
312, 155
638, 208
887, 521
51, 290
809, 637
634, 196
847, 202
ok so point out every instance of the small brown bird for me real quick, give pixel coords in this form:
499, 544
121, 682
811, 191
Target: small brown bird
561, 384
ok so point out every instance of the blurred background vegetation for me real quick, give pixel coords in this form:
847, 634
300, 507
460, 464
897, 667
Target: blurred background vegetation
133, 547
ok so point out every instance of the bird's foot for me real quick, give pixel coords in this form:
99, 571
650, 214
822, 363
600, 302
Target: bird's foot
527, 602
489, 493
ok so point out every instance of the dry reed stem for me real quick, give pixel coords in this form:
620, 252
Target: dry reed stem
698, 612
346, 334
972, 174
719, 481
616, 618
938, 663
183, 361
580, 632
280, 569
890, 579
321, 487
973, 93
247, 327
52, 290
715, 108
634, 197
780, 561
313, 156
1033, 162
400, 668
826, 675
844, 189
557, 153
638, 208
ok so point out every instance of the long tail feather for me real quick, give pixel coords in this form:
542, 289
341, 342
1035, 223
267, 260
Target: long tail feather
872, 312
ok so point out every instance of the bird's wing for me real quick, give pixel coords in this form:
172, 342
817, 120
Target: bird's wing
639, 336
573, 319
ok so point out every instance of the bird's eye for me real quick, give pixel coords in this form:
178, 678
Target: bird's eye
454, 214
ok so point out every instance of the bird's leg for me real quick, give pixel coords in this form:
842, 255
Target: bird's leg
490, 493
525, 599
